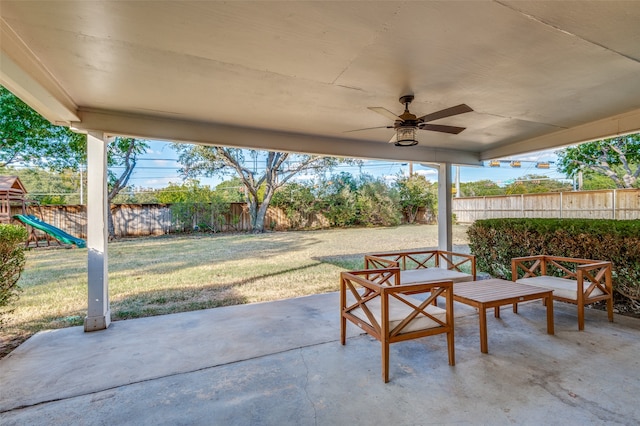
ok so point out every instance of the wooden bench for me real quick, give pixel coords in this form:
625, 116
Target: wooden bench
426, 265
389, 311
573, 280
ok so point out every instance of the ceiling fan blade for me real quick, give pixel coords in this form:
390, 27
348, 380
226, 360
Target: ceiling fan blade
368, 128
442, 128
447, 112
385, 112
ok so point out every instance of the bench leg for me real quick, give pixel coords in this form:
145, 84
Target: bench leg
550, 328
385, 361
343, 329
515, 308
610, 308
580, 317
451, 348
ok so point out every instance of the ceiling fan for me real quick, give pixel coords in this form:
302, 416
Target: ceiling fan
407, 123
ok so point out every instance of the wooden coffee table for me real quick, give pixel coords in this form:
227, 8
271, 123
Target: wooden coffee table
493, 293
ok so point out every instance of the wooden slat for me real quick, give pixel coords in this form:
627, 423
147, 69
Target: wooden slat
494, 289
601, 204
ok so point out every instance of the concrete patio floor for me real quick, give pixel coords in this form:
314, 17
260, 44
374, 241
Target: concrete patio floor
281, 363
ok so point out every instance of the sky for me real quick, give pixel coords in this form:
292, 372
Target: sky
159, 166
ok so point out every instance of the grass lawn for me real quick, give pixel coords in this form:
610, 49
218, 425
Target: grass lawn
177, 273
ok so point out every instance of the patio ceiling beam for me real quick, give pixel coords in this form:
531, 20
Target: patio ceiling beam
171, 129
617, 125
22, 73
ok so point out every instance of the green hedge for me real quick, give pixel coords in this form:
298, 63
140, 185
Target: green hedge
12, 239
496, 241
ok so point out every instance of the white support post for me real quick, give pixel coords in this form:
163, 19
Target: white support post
445, 210
98, 311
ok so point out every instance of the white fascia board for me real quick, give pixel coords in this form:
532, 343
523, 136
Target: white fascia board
23, 75
617, 125
170, 129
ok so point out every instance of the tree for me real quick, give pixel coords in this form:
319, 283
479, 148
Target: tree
481, 188
12, 259
121, 153
416, 192
48, 187
297, 200
195, 206
593, 181
535, 184
617, 158
377, 204
231, 190
278, 168
347, 201
337, 196
28, 138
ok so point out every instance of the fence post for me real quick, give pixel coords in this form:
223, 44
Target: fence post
614, 202
484, 209
561, 204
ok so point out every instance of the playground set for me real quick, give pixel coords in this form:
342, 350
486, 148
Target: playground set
13, 193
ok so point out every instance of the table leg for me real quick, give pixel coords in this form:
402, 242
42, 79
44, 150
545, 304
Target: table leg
483, 330
496, 312
549, 302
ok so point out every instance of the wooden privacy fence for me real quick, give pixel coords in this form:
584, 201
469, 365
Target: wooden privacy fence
156, 219
602, 204
136, 220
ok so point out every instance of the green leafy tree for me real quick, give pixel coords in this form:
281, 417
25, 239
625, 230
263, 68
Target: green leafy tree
12, 260
416, 193
48, 187
297, 200
28, 138
347, 201
195, 206
481, 188
276, 169
535, 184
232, 190
617, 158
338, 199
121, 153
593, 181
146, 195
377, 204
137, 195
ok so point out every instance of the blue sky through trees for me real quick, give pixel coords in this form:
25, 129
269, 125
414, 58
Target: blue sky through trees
160, 165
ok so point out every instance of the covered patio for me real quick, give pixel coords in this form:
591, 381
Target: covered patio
281, 363
300, 77
493, 79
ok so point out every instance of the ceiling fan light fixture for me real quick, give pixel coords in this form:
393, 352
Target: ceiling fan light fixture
406, 136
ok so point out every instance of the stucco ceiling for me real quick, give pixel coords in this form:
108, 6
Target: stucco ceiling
297, 75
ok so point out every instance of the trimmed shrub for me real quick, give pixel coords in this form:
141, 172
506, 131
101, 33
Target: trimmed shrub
12, 259
496, 241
